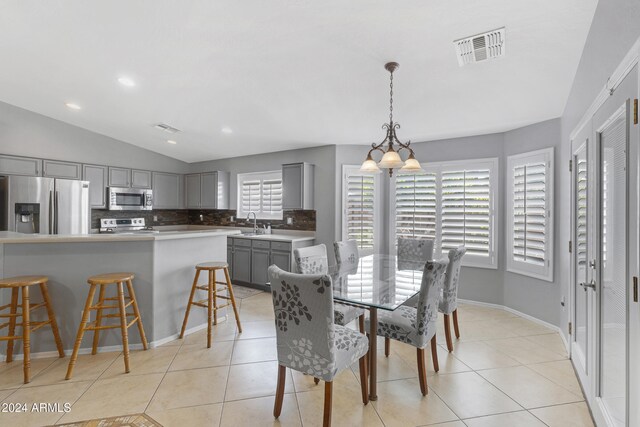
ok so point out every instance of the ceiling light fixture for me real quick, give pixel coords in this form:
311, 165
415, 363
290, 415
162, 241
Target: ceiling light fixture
226, 130
171, 141
390, 156
73, 106
126, 81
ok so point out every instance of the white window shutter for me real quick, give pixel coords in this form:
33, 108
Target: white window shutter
260, 192
416, 205
359, 209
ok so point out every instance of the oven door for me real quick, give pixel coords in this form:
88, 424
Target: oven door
127, 199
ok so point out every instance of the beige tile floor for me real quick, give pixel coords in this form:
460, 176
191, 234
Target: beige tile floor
504, 371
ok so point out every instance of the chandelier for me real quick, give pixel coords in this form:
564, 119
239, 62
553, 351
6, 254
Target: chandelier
390, 155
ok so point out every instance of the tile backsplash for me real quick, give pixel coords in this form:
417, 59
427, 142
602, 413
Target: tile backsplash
303, 220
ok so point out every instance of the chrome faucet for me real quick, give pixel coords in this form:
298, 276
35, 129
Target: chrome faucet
255, 221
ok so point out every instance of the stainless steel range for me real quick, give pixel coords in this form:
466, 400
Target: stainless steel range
125, 226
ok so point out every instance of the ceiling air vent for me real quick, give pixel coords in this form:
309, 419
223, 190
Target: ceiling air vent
166, 128
489, 45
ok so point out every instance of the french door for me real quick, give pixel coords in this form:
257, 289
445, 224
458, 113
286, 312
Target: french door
605, 257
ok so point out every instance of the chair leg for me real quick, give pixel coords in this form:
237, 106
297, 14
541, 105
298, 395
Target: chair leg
214, 289
210, 309
447, 332
328, 392
12, 322
52, 318
26, 334
233, 299
363, 379
455, 323
361, 324
186, 314
96, 332
83, 324
136, 312
422, 372
123, 327
387, 346
277, 408
434, 354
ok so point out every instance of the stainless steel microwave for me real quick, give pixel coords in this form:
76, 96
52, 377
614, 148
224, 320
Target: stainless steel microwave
130, 199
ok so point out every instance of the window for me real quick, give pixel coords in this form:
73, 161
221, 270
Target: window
530, 228
261, 193
360, 217
452, 203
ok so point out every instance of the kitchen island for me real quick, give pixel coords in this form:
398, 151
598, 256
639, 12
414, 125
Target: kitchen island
163, 263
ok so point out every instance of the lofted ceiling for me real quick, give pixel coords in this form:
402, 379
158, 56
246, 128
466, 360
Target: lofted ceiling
286, 74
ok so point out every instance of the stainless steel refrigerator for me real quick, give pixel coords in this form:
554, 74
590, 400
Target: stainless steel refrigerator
44, 205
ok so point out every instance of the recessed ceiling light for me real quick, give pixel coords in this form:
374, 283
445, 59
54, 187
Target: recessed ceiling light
171, 141
226, 130
126, 81
73, 106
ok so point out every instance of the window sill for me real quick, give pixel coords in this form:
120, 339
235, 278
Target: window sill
544, 277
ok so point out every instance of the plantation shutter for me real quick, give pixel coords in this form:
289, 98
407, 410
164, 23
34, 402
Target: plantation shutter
260, 193
251, 196
359, 209
529, 227
529, 235
416, 206
581, 214
272, 196
466, 211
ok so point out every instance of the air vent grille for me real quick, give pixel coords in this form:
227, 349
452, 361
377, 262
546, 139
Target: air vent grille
490, 45
166, 128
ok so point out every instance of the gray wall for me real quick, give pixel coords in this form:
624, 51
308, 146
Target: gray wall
613, 32
25, 133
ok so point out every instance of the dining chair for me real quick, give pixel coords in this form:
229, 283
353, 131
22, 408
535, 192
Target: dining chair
314, 260
417, 326
413, 253
449, 300
346, 253
307, 339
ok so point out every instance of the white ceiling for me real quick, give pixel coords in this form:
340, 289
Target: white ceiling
286, 74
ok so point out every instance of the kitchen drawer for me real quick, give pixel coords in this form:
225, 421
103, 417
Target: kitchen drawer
241, 242
260, 244
281, 246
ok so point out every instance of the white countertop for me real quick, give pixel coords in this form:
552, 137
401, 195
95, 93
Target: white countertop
12, 237
278, 237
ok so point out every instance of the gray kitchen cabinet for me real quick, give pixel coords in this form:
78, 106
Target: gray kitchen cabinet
97, 177
119, 177
192, 191
282, 259
230, 257
209, 190
58, 169
260, 261
14, 165
297, 186
167, 191
242, 263
140, 179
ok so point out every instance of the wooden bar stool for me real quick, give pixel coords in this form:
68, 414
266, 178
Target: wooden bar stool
22, 283
121, 304
211, 303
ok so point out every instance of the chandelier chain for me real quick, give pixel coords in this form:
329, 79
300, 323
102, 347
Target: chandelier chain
391, 98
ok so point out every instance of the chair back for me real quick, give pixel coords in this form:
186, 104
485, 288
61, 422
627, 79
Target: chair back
427, 307
303, 306
449, 301
311, 260
346, 253
414, 253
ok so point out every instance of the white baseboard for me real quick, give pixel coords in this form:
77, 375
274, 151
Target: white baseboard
523, 315
110, 348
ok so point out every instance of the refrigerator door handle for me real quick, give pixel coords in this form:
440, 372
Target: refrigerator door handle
55, 207
50, 212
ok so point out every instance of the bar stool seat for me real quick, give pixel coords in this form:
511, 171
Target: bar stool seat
211, 303
21, 284
118, 303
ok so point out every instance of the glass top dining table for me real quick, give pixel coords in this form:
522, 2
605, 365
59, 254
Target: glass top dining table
376, 282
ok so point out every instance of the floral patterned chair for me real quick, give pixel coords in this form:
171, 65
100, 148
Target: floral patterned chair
308, 340
417, 326
449, 299
346, 253
414, 251
313, 260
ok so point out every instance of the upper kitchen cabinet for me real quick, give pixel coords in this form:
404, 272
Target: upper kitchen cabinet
297, 186
167, 191
127, 178
58, 169
209, 190
97, 177
12, 165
